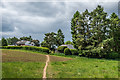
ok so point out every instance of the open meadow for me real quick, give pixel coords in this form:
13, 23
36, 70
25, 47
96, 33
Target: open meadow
83, 68
26, 64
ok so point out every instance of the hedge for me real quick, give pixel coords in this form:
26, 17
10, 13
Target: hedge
94, 53
74, 51
61, 49
67, 51
112, 55
32, 48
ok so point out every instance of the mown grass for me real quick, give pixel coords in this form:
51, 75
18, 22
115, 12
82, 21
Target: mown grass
22, 69
80, 67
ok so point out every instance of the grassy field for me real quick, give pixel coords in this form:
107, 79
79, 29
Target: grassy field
24, 64
27, 64
17, 64
83, 68
22, 70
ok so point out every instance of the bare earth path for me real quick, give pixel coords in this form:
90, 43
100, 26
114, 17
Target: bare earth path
45, 68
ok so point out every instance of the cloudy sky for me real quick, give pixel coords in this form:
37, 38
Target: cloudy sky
39, 17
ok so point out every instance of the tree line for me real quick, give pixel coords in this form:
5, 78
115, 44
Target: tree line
13, 40
94, 33
51, 40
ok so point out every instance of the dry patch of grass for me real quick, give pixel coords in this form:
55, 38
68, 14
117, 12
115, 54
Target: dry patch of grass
18, 56
57, 58
19, 64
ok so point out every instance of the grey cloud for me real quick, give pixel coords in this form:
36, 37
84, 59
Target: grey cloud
7, 25
38, 18
45, 9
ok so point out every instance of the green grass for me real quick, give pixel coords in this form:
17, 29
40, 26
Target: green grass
19, 64
28, 64
24, 64
80, 67
22, 69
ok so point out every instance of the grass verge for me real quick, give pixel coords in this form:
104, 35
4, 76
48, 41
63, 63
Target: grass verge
83, 68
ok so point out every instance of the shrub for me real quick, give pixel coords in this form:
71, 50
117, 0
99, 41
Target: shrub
12, 47
68, 42
94, 52
74, 51
32, 48
61, 49
113, 55
67, 51
25, 48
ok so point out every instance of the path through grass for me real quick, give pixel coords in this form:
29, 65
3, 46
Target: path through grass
17, 64
22, 64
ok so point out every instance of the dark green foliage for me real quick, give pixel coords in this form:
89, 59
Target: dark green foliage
12, 41
50, 40
4, 42
36, 42
44, 44
112, 55
9, 41
26, 38
67, 51
94, 34
68, 42
100, 51
0, 42
60, 38
32, 48
12, 47
115, 31
61, 49
74, 51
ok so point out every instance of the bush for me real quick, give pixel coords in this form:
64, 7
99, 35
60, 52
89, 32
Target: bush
61, 49
67, 51
113, 55
31, 48
0, 47
100, 51
94, 53
12, 47
74, 51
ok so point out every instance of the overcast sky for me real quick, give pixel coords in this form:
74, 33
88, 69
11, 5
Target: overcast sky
37, 18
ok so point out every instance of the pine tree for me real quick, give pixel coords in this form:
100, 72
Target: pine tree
80, 29
115, 31
98, 25
50, 39
9, 41
74, 22
94, 33
60, 37
86, 19
4, 42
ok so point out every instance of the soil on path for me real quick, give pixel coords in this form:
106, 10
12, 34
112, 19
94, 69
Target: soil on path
45, 68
